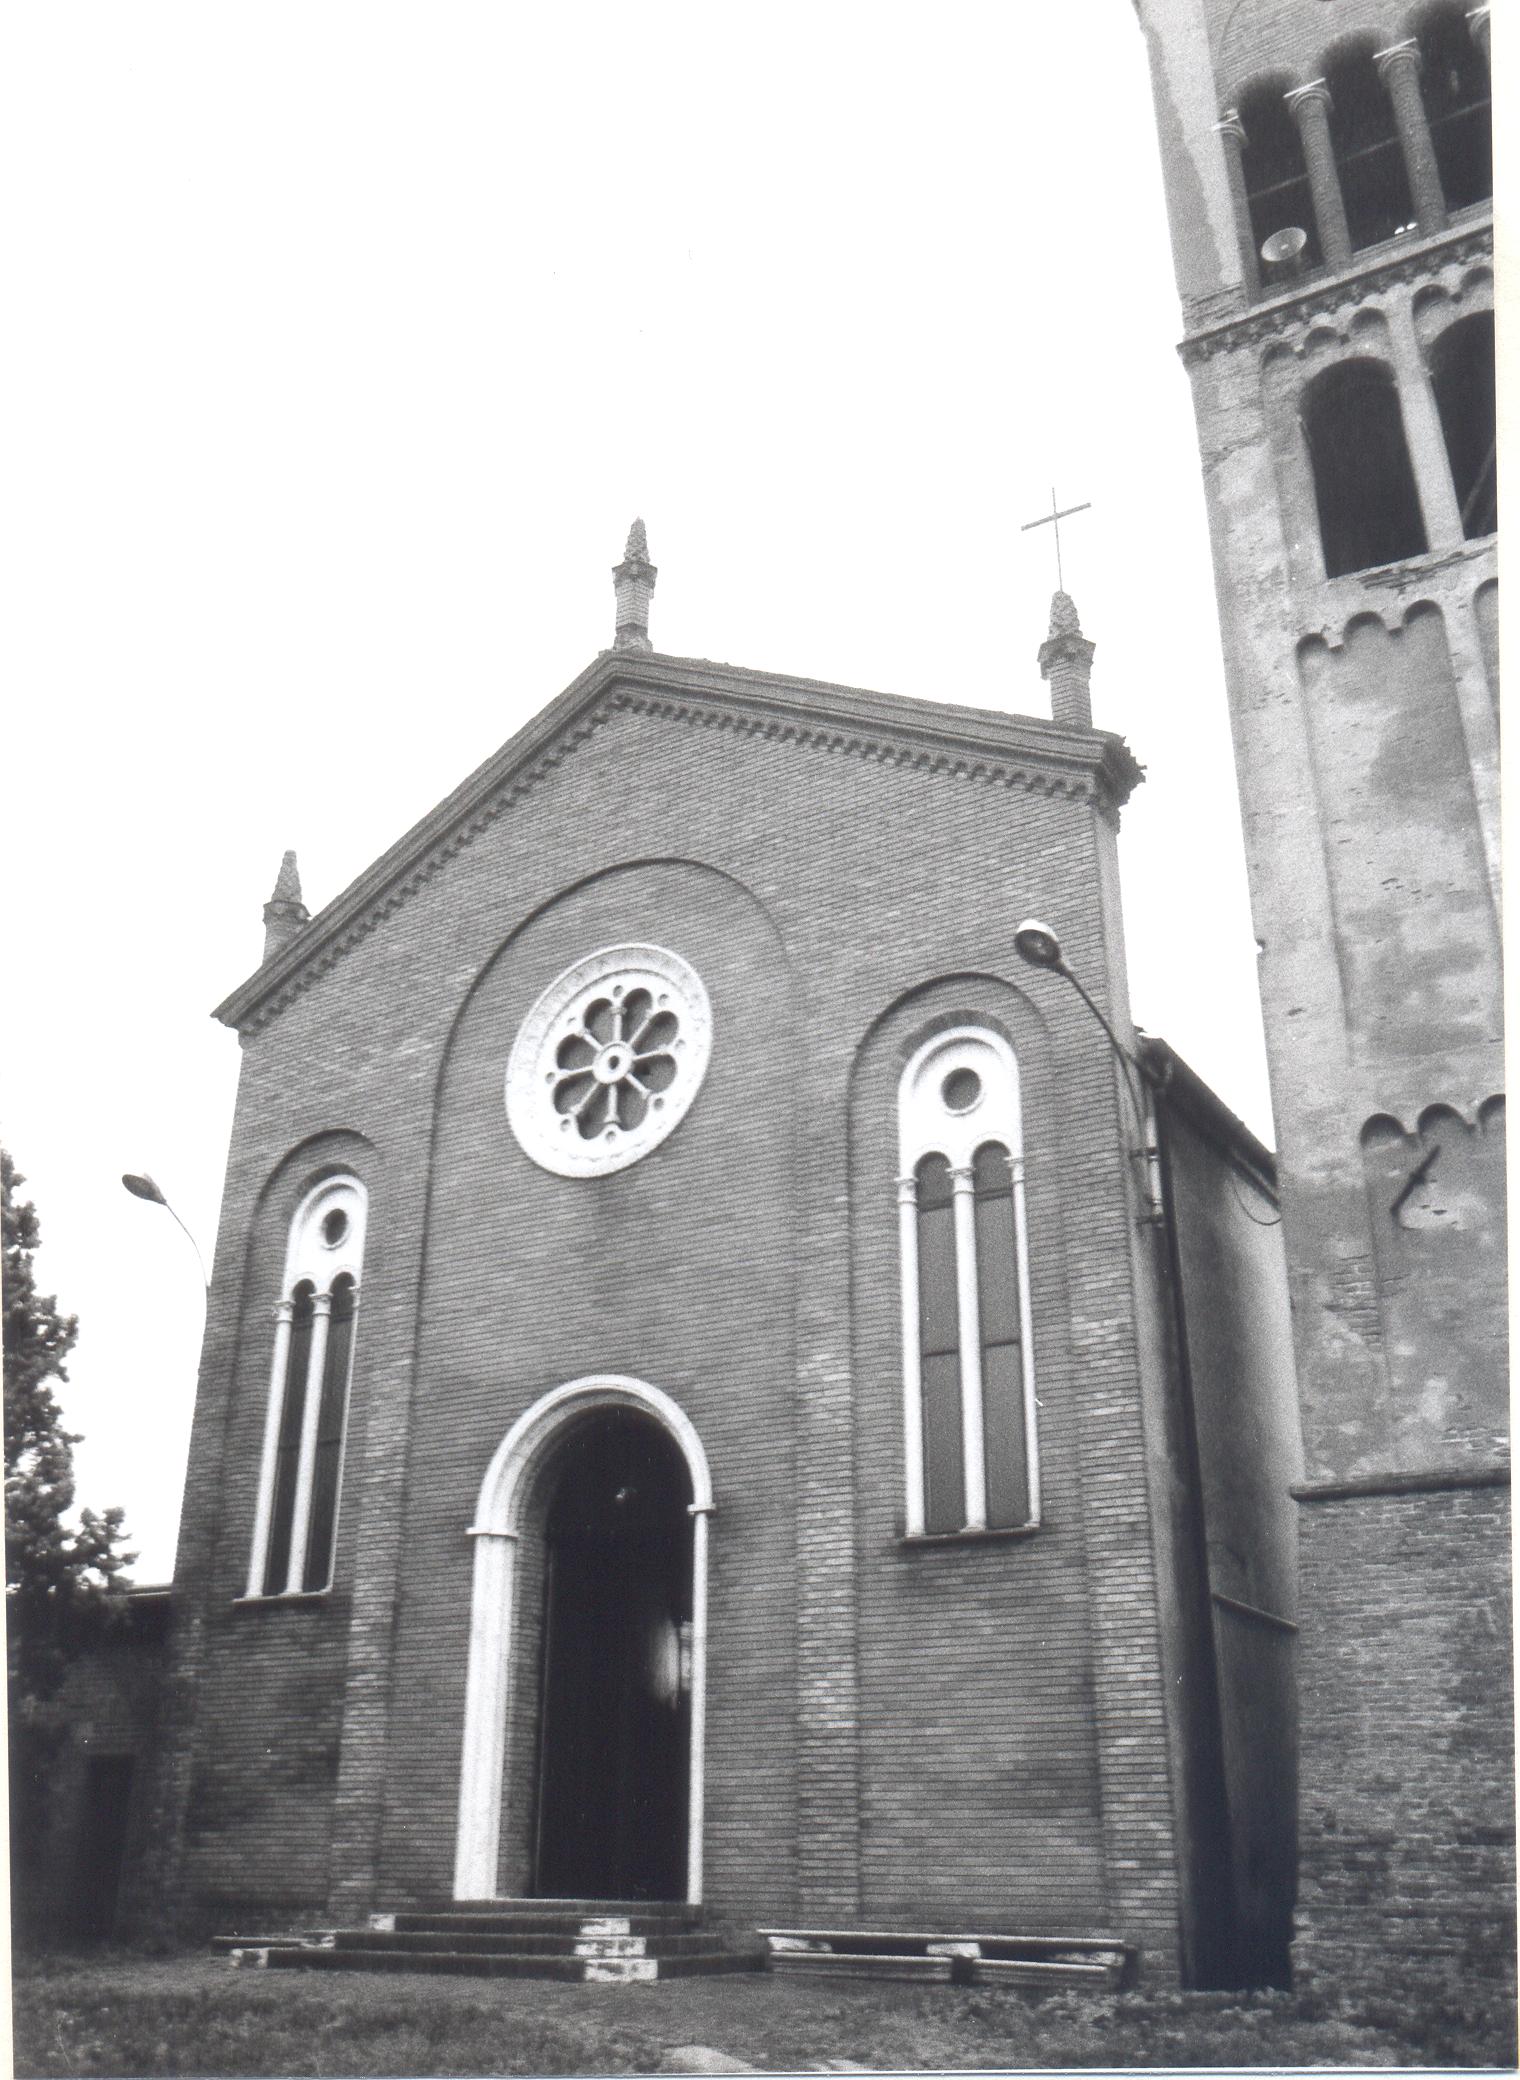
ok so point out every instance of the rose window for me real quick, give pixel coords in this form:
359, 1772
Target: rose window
608, 1060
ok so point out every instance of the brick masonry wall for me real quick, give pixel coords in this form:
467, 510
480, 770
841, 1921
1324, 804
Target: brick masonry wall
815, 889
977, 1658
264, 1679
108, 1710
1407, 1763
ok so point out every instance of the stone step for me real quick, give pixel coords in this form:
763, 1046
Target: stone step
552, 1904
629, 1921
611, 1941
1096, 1961
862, 1964
498, 1964
567, 1942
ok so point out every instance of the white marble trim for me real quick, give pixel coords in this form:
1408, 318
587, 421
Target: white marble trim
495, 1530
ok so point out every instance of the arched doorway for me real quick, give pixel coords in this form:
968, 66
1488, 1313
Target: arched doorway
611, 1475
615, 1721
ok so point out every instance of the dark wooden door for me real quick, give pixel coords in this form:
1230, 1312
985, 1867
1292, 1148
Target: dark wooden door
615, 1747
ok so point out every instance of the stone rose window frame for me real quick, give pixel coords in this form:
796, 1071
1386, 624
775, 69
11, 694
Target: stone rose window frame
609, 1060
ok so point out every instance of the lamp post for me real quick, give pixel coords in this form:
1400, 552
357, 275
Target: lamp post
141, 1186
1038, 945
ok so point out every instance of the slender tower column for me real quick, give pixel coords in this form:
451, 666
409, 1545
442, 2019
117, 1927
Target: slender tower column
1400, 68
487, 1693
306, 1464
258, 1558
1422, 430
973, 1447
1026, 1336
913, 1380
1310, 109
701, 1513
1231, 132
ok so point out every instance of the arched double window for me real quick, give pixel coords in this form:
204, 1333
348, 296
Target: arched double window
971, 1451
296, 1517
1369, 508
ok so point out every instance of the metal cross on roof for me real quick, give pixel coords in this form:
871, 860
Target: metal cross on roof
1053, 519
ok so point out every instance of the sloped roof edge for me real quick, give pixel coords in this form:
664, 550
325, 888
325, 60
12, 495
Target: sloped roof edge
994, 744
1184, 1090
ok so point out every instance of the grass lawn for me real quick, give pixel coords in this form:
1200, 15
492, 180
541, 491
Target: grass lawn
196, 2015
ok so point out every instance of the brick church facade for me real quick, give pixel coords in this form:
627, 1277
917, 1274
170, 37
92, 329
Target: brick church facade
706, 1394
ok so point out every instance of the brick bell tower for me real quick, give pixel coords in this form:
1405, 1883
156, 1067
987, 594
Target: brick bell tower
1328, 173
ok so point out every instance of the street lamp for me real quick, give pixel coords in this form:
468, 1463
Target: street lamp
142, 1187
1037, 944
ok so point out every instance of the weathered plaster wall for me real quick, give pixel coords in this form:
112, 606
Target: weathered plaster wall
1363, 711
1240, 1379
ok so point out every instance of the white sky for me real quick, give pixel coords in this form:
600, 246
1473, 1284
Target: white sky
346, 341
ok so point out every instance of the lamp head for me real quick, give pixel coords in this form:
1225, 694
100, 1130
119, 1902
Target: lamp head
1038, 944
143, 1188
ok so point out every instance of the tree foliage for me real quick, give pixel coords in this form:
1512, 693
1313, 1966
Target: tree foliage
56, 1573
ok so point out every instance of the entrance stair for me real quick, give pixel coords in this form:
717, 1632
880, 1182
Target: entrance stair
1096, 1962
587, 1941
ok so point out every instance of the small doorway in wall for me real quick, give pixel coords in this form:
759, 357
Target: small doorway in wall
615, 1732
105, 1805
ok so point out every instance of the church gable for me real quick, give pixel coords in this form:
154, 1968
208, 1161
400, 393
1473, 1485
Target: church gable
1020, 753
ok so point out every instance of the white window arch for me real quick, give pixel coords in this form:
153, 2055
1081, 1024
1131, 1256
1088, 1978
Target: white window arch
971, 1447
300, 1468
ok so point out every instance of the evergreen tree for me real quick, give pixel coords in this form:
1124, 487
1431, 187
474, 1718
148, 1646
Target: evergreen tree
56, 1575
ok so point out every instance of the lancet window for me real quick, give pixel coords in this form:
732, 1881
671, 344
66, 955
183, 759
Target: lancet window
971, 1449
300, 1469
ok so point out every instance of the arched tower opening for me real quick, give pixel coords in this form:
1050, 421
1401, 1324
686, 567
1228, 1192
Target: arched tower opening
1364, 488
1368, 156
1462, 377
1276, 179
1454, 84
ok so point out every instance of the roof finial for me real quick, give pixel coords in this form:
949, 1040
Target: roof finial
632, 583
284, 913
1053, 520
1066, 661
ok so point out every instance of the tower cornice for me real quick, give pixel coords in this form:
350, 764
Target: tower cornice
1410, 260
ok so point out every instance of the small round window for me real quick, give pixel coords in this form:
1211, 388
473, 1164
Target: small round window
961, 1089
608, 1060
334, 1227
